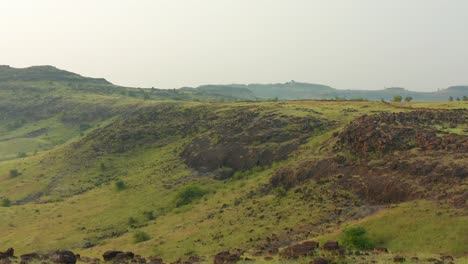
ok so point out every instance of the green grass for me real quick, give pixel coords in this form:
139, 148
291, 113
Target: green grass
82, 204
416, 227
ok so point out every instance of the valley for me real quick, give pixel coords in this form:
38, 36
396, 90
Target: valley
88, 166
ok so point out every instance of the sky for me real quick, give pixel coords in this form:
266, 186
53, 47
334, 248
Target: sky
360, 44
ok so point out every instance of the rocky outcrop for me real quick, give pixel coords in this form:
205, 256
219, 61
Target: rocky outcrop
300, 250
227, 257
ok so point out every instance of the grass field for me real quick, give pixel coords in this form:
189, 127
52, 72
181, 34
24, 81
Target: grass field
68, 197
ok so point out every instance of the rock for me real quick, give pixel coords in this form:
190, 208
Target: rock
139, 259
9, 252
434, 260
88, 259
122, 256
398, 259
380, 250
62, 257
319, 261
31, 257
110, 255
155, 260
331, 245
227, 257
446, 258
300, 250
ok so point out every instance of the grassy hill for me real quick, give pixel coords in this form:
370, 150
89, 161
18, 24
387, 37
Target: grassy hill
92, 169
300, 91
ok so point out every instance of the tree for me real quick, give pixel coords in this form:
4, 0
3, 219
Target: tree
465, 98
458, 99
397, 98
451, 99
408, 99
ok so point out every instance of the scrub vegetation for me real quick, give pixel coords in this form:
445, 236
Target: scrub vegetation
89, 166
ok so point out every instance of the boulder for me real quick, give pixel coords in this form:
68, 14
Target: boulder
31, 257
446, 258
9, 252
155, 260
300, 250
399, 259
110, 255
226, 257
331, 245
62, 257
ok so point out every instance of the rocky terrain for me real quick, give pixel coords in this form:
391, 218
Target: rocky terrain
91, 172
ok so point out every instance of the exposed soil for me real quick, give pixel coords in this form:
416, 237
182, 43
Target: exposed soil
393, 157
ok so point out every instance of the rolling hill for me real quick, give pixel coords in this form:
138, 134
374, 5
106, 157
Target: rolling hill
89, 166
301, 91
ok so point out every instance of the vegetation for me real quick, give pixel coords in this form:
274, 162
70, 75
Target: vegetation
5, 202
189, 194
140, 236
126, 179
356, 238
14, 173
397, 98
120, 185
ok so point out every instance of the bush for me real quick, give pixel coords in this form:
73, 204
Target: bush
5, 202
14, 173
131, 221
120, 185
189, 194
149, 215
22, 155
356, 237
140, 236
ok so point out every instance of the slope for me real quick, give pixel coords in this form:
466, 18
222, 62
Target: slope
96, 193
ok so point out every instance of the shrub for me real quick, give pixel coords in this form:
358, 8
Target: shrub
5, 202
356, 237
189, 194
280, 191
131, 221
22, 155
14, 173
149, 215
120, 185
140, 236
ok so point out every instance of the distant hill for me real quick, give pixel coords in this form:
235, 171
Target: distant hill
297, 91
42, 73
47, 77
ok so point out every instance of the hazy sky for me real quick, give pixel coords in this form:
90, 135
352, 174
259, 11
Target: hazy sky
348, 44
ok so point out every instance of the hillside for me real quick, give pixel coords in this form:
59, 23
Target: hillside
85, 166
300, 91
